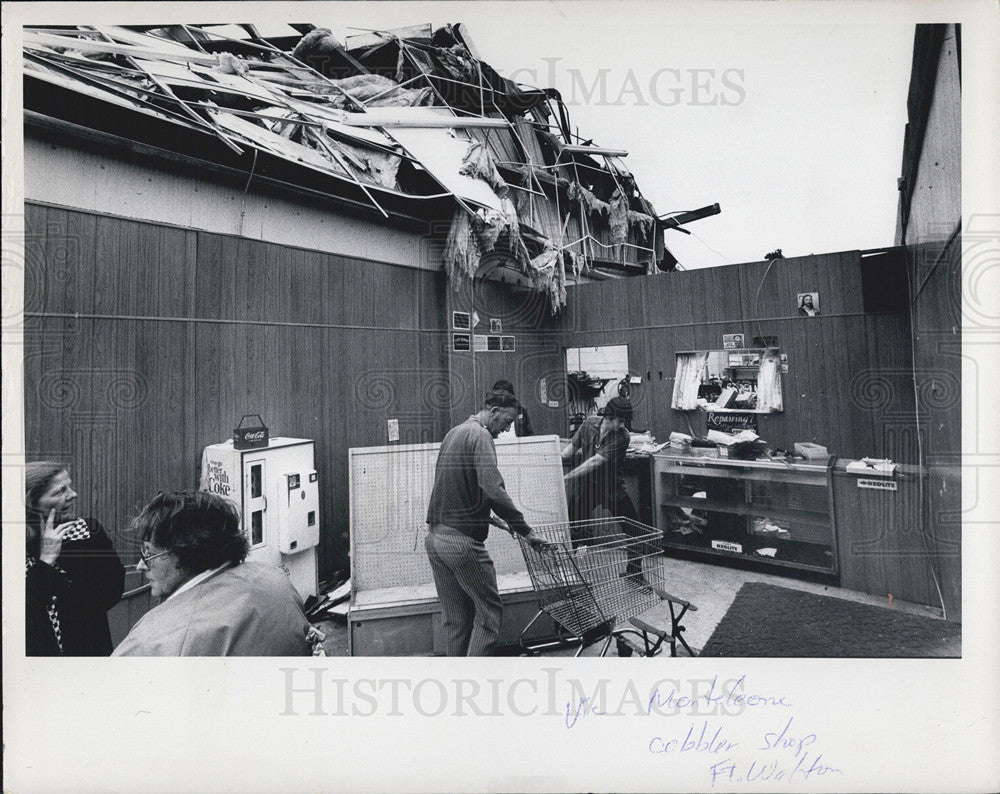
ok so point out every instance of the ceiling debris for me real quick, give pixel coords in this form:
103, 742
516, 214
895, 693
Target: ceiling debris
408, 124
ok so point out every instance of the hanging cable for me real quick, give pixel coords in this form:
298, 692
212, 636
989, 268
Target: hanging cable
718, 253
246, 187
756, 300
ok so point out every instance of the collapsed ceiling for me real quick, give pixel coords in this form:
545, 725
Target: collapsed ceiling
408, 125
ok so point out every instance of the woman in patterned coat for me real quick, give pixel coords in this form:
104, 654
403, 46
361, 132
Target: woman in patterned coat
73, 575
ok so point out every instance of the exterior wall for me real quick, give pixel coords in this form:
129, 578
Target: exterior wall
935, 195
931, 230
73, 177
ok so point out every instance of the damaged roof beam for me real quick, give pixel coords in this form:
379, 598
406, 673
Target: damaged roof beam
304, 122
482, 88
194, 39
139, 103
394, 88
111, 48
575, 149
163, 91
226, 139
384, 117
417, 67
340, 159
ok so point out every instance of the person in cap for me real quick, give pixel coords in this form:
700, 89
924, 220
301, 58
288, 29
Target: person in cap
522, 424
598, 480
467, 487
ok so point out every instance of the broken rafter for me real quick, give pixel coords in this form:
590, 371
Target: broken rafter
169, 92
117, 89
332, 152
257, 42
407, 32
323, 79
430, 77
340, 161
482, 88
112, 48
394, 88
194, 38
577, 149
300, 120
390, 117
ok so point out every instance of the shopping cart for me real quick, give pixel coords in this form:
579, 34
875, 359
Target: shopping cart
596, 580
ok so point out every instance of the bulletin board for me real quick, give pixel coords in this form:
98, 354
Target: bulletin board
390, 488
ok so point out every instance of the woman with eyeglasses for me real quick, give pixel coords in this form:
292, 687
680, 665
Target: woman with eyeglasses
73, 575
213, 602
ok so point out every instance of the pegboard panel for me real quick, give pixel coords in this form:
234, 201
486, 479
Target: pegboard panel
390, 488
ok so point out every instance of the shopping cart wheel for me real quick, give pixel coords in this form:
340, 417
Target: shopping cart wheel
624, 649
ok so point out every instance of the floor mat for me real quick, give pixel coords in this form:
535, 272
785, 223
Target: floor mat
766, 620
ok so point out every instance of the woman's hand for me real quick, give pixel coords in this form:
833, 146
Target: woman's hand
52, 539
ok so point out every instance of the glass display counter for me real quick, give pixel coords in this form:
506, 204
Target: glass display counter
772, 511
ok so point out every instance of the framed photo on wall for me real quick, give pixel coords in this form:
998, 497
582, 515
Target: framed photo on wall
808, 304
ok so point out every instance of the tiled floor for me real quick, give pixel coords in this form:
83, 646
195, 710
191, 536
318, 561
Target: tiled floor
711, 588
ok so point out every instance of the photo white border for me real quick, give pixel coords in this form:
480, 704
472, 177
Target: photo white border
215, 725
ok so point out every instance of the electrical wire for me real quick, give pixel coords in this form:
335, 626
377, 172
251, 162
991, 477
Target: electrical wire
243, 201
756, 300
717, 253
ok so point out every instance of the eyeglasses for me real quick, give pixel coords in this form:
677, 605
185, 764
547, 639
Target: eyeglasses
145, 556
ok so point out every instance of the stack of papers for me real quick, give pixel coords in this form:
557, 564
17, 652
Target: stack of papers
643, 444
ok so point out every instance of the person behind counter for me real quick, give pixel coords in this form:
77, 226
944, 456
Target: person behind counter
467, 486
214, 603
73, 574
599, 480
522, 424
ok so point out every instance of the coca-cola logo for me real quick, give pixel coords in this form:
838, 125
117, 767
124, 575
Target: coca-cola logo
255, 435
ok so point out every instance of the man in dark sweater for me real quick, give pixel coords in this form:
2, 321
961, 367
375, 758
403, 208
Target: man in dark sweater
467, 486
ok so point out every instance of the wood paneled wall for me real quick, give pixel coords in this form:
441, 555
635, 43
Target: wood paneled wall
849, 384
879, 538
853, 385
538, 354
144, 343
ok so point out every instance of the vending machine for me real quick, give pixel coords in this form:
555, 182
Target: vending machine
277, 492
